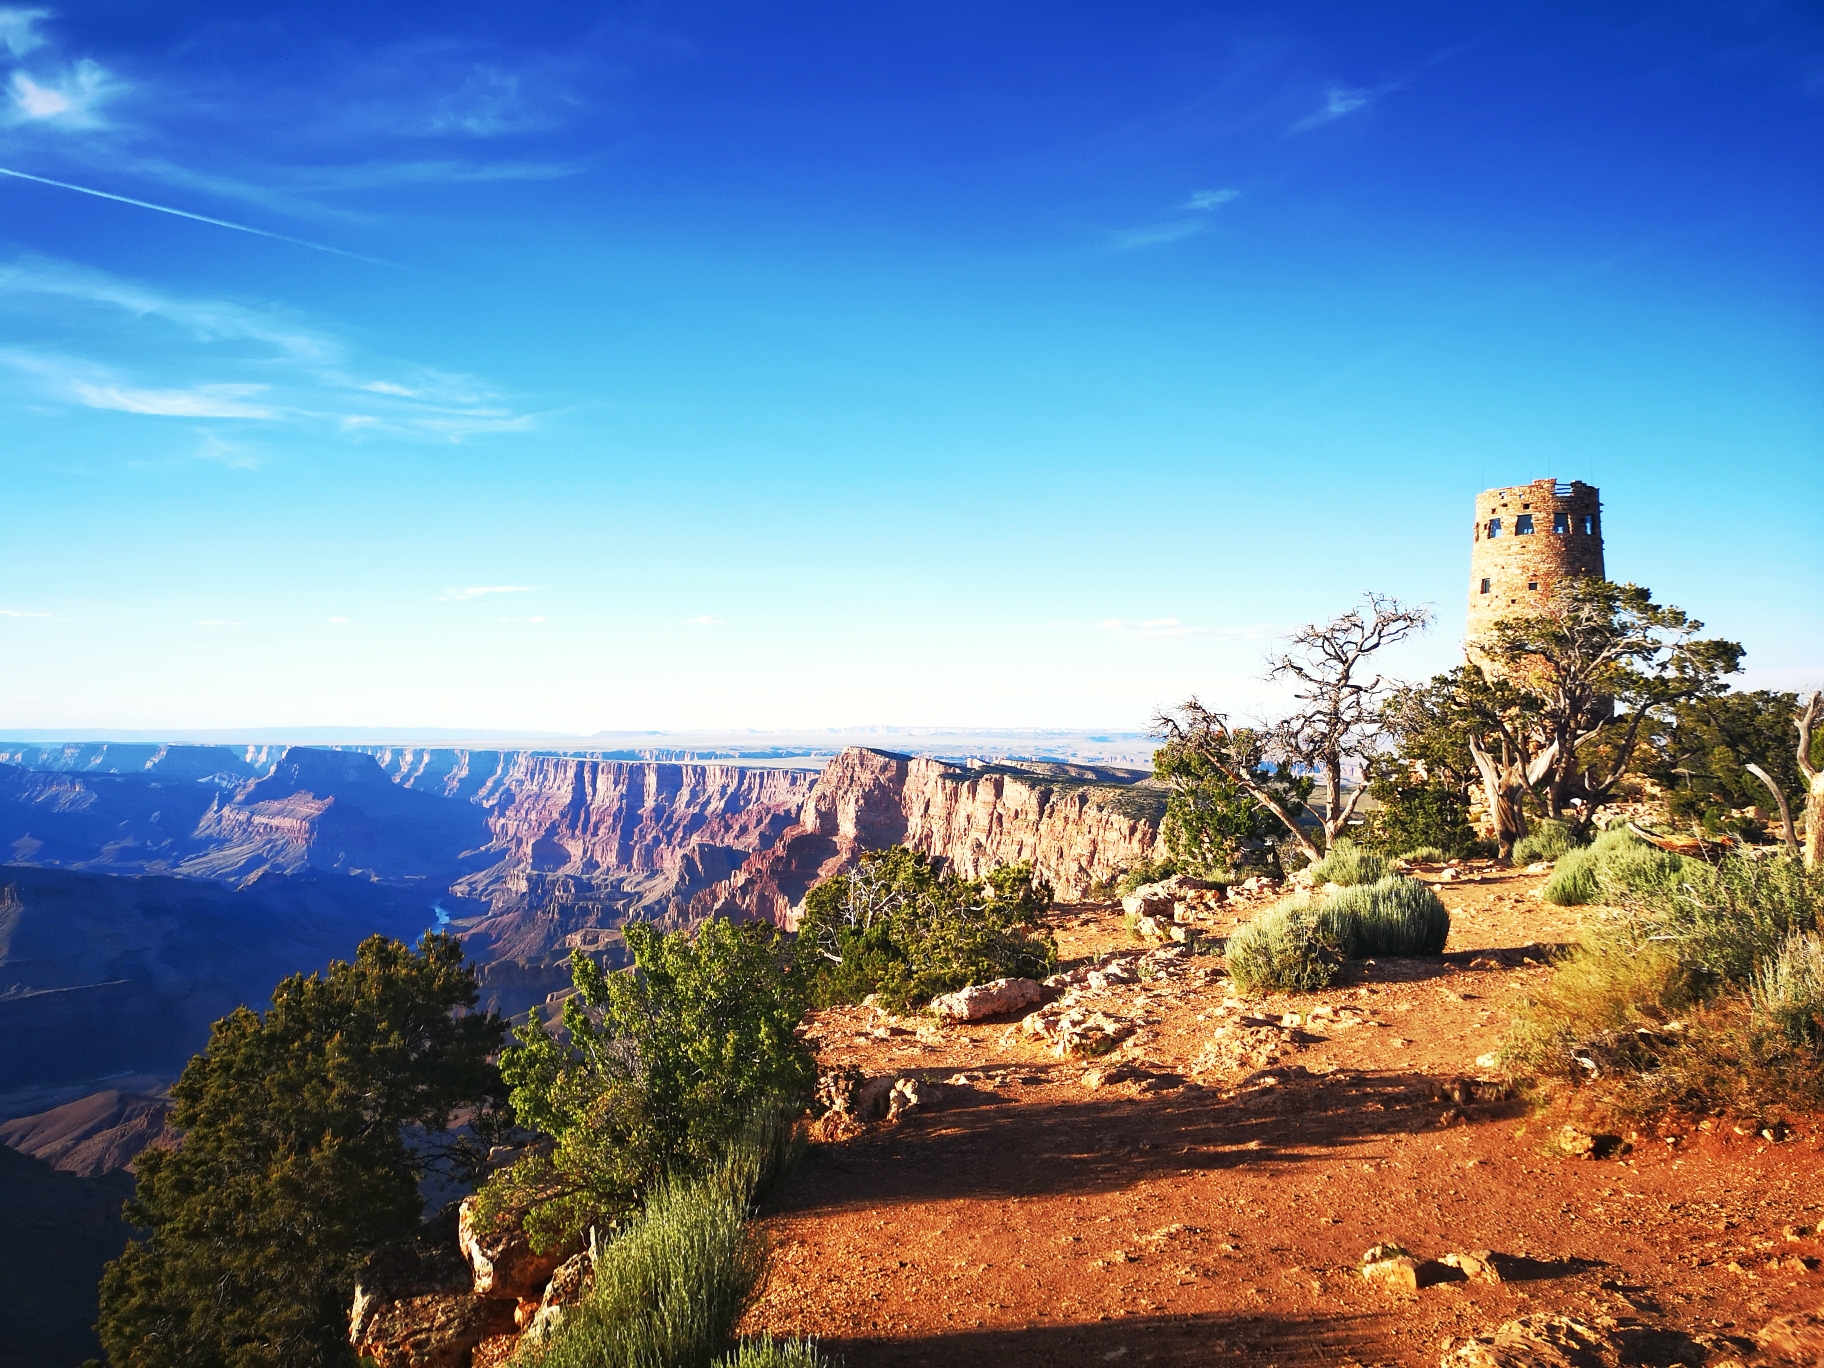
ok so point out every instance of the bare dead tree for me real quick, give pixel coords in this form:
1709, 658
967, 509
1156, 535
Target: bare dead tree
1779, 797
1814, 781
1340, 717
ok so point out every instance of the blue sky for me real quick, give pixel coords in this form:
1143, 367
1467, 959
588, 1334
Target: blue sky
796, 365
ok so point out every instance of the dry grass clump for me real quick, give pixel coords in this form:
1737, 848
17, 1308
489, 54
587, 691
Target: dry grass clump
672, 1284
1548, 840
1348, 864
1282, 950
1703, 992
1296, 945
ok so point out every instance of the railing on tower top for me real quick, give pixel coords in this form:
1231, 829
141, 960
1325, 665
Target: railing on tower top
1561, 491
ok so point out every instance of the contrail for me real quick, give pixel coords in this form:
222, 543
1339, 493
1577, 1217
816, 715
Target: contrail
185, 213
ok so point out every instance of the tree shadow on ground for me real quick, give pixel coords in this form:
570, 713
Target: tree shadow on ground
1256, 1340
1103, 1143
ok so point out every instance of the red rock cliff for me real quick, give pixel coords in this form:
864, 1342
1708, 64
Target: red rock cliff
1073, 830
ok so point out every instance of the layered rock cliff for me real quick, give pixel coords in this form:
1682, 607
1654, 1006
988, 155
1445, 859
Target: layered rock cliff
588, 843
1074, 825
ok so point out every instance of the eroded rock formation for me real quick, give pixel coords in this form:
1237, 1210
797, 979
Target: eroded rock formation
1073, 825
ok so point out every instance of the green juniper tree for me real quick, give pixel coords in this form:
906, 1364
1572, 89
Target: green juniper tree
658, 1069
293, 1164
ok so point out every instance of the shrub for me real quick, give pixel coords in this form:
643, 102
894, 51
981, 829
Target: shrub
1548, 840
1703, 990
1348, 864
1425, 855
1281, 950
767, 1352
664, 1067
1393, 916
1730, 917
1788, 988
671, 1286
899, 927
1615, 867
1427, 814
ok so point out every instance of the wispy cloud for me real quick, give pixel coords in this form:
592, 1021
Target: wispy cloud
69, 99
706, 620
1339, 102
1190, 219
1211, 199
20, 613
339, 622
460, 595
199, 401
19, 30
302, 374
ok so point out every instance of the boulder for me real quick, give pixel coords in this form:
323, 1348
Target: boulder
1391, 1266
1794, 1339
502, 1259
1537, 1341
1148, 904
981, 1000
436, 1330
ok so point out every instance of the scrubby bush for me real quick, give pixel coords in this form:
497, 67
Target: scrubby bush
1548, 840
671, 1286
1426, 813
663, 1067
1392, 916
767, 1352
1702, 990
1282, 950
899, 927
1788, 988
1348, 864
1295, 945
1424, 855
1616, 867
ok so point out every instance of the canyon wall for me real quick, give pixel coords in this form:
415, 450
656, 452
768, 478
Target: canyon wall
1074, 825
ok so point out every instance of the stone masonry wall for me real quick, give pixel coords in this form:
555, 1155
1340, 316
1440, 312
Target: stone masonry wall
1527, 538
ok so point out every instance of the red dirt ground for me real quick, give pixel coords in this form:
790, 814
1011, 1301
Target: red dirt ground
1218, 1216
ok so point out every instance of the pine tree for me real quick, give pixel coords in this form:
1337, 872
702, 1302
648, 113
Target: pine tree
292, 1164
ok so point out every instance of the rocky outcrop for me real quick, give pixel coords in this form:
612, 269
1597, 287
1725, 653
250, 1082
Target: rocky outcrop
1073, 829
503, 1262
414, 1308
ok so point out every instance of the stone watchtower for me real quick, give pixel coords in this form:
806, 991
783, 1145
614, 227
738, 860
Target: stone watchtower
1528, 537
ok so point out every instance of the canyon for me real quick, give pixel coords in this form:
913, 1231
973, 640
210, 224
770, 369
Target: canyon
146, 890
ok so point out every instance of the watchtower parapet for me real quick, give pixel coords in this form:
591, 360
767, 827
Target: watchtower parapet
1529, 538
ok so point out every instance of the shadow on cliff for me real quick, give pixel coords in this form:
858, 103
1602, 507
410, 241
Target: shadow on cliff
1200, 1340
1107, 1143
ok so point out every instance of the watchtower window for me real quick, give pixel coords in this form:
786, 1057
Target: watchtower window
1533, 585
1561, 523
1494, 527
1523, 525
1589, 524
1485, 586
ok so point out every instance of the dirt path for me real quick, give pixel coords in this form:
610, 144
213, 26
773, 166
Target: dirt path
1204, 1194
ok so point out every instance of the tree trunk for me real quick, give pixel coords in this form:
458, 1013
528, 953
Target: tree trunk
1504, 789
1814, 820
